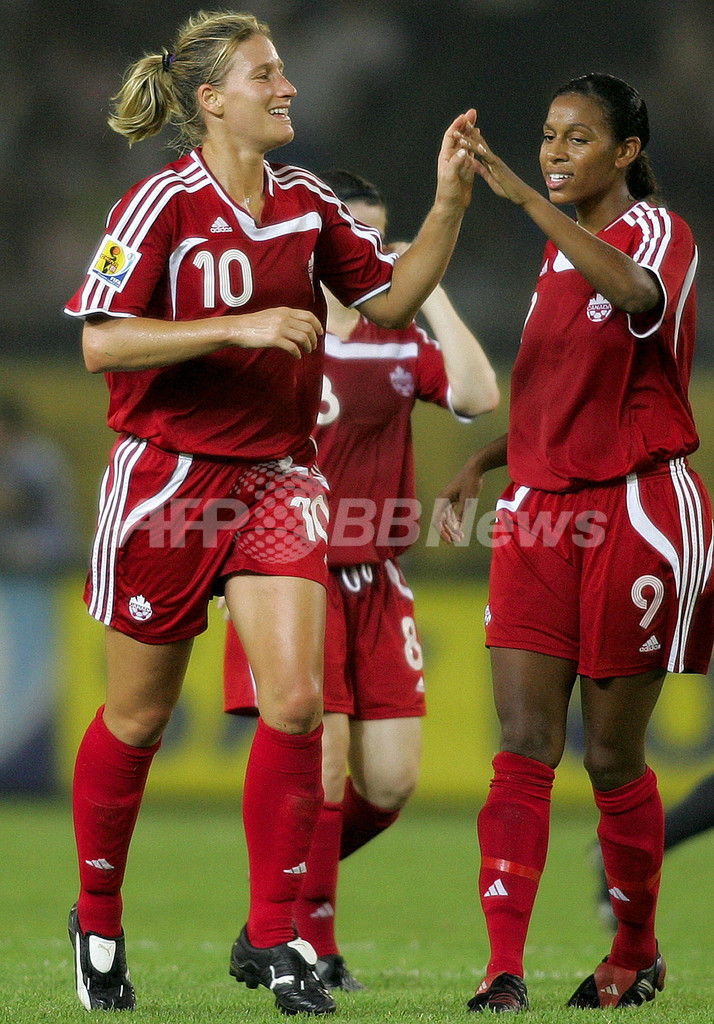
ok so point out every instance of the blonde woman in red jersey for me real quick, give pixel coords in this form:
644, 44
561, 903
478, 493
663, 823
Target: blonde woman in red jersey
602, 560
203, 306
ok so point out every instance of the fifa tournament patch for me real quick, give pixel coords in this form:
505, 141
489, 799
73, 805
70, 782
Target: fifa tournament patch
114, 262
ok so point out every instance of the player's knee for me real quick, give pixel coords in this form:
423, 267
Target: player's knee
607, 772
391, 792
296, 707
540, 744
612, 762
142, 727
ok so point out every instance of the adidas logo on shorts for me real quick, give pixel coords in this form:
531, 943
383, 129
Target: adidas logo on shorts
650, 645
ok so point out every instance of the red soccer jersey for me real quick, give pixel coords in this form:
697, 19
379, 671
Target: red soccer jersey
596, 393
364, 436
178, 248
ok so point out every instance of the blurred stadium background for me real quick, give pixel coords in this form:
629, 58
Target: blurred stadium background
377, 85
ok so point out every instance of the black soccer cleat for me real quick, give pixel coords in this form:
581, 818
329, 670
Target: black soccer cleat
611, 986
334, 973
500, 993
102, 976
288, 970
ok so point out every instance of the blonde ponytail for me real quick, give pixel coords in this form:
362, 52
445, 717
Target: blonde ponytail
145, 102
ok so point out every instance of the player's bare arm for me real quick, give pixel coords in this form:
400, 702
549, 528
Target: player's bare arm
466, 486
140, 343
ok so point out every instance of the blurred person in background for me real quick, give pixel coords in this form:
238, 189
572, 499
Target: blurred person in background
374, 692
38, 545
602, 560
203, 305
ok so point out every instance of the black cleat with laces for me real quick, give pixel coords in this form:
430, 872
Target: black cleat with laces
500, 993
611, 986
334, 973
101, 974
287, 970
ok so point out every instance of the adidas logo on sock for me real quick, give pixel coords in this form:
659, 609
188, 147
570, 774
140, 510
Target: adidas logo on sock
299, 869
618, 894
611, 990
219, 225
101, 864
652, 644
324, 910
496, 889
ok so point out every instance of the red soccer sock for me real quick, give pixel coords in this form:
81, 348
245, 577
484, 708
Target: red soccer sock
361, 820
282, 797
631, 832
513, 829
315, 907
109, 781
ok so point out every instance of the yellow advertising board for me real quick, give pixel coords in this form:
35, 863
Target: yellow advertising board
205, 751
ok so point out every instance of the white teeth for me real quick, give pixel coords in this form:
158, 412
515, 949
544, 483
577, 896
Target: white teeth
280, 110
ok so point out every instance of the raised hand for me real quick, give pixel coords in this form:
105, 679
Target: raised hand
456, 165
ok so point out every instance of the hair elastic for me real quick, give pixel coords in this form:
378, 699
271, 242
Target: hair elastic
167, 60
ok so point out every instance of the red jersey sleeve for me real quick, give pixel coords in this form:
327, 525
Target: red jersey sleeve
430, 380
663, 243
345, 255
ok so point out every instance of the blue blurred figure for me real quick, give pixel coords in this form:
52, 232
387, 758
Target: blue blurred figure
38, 541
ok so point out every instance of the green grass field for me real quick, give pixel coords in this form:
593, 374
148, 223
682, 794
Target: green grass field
409, 921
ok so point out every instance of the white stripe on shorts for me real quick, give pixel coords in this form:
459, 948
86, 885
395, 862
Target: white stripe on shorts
111, 512
690, 574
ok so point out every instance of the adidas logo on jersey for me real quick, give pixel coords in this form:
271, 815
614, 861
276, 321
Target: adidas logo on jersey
220, 225
497, 888
652, 644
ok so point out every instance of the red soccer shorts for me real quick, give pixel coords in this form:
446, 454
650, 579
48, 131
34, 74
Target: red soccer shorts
373, 657
172, 527
617, 578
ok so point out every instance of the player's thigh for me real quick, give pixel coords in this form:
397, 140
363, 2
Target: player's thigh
616, 713
531, 693
143, 686
281, 623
